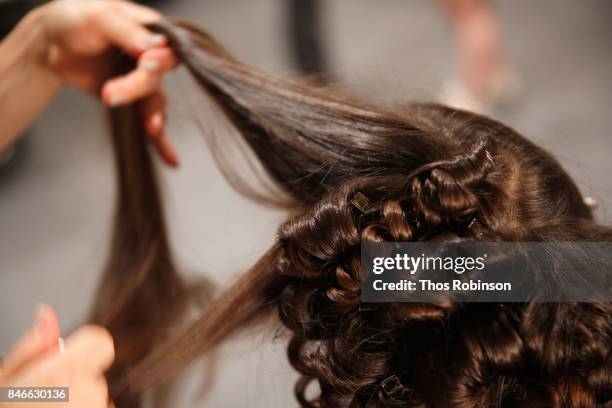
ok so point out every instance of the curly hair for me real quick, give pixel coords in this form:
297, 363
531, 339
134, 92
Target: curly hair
430, 173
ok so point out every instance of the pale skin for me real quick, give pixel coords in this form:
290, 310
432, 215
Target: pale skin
67, 43
35, 361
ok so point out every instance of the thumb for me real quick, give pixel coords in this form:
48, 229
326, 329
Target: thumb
42, 335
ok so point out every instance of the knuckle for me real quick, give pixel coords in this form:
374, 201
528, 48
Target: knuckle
92, 330
99, 335
97, 10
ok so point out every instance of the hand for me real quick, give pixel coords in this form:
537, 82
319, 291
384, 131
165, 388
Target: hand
35, 361
78, 37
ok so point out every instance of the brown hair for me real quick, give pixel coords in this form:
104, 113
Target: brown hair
429, 172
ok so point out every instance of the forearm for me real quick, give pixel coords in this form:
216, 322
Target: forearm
26, 86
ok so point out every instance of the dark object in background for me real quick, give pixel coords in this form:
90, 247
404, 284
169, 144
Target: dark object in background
304, 27
11, 11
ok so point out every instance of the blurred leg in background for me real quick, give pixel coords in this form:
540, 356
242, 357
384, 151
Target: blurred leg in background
484, 76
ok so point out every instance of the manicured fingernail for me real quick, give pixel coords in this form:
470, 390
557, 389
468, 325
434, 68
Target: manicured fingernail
173, 157
149, 65
115, 100
40, 320
154, 40
157, 120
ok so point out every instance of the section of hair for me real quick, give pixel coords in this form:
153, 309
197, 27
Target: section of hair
141, 297
427, 173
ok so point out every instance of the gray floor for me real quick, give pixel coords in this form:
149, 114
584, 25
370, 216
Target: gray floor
55, 208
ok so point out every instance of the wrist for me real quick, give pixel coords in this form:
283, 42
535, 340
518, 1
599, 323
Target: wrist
39, 48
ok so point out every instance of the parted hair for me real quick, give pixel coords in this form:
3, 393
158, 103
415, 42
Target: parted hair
427, 173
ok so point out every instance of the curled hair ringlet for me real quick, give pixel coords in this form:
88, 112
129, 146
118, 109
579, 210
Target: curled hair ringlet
429, 172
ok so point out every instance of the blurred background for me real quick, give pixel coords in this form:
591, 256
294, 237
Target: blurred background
549, 75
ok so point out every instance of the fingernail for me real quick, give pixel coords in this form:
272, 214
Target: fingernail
168, 152
173, 157
149, 65
40, 321
154, 40
157, 120
61, 346
115, 100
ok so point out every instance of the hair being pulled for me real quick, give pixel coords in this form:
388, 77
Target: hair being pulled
426, 172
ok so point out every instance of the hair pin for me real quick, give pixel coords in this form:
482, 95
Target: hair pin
360, 202
392, 385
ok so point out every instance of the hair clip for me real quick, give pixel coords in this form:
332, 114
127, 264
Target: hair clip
471, 224
360, 202
489, 157
392, 385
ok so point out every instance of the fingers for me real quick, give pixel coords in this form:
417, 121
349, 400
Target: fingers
127, 32
130, 87
101, 390
158, 60
92, 347
125, 29
141, 82
142, 14
89, 352
87, 390
153, 114
166, 151
39, 338
144, 83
